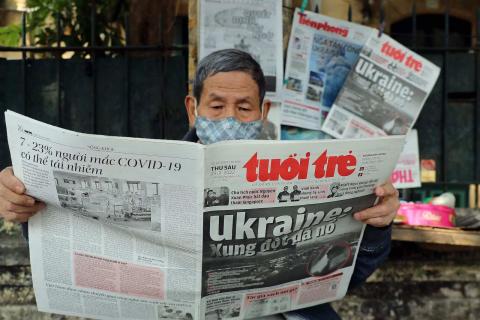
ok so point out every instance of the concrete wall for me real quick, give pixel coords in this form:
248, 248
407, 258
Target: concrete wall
416, 283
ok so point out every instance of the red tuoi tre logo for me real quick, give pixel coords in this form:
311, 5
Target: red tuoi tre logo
325, 26
291, 168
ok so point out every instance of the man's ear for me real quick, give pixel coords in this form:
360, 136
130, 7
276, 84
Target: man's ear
265, 109
190, 106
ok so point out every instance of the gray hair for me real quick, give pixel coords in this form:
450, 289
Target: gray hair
225, 61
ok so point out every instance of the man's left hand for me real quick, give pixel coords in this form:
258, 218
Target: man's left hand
384, 212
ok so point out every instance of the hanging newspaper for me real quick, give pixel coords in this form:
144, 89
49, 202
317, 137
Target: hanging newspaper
155, 229
254, 26
321, 53
407, 171
384, 93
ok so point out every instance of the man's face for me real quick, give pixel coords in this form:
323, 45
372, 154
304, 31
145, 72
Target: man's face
228, 94
285, 189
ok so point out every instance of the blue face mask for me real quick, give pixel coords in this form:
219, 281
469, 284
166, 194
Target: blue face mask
211, 131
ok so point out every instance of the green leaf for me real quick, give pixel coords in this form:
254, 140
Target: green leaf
10, 35
75, 22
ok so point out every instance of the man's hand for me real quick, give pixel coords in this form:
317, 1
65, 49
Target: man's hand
384, 212
14, 204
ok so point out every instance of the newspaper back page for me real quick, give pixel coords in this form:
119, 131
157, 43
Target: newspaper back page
120, 237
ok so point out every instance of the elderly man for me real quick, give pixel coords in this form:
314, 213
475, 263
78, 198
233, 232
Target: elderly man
228, 104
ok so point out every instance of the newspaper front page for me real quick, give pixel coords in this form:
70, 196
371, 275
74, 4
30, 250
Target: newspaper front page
284, 237
384, 93
155, 229
254, 26
321, 53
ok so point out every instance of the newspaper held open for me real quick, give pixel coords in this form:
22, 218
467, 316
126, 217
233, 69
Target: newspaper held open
155, 229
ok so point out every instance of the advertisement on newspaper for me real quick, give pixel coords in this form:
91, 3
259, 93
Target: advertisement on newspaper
384, 93
321, 53
155, 229
407, 172
254, 26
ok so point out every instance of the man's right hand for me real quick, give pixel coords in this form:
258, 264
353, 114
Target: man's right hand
14, 204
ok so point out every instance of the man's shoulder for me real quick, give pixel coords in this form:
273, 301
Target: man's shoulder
191, 135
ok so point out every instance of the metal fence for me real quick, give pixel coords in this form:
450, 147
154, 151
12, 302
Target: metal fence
125, 95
